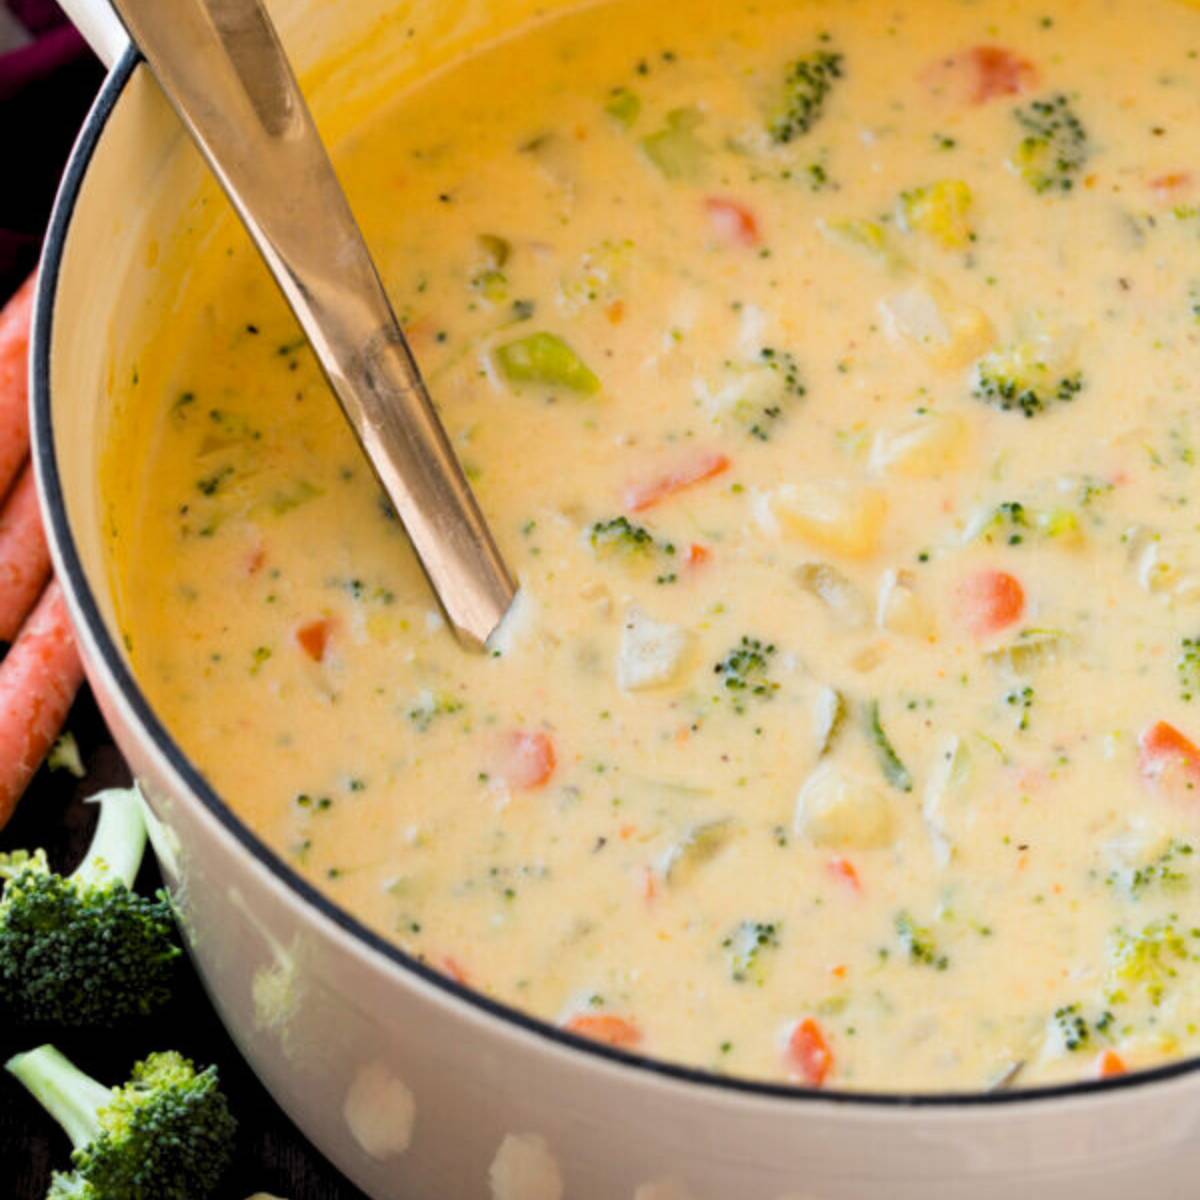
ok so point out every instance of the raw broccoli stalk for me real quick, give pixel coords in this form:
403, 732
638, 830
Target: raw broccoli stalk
84, 949
167, 1133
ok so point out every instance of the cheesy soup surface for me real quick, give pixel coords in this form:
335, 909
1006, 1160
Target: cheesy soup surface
828, 374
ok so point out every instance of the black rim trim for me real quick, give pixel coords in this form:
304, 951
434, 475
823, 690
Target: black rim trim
76, 581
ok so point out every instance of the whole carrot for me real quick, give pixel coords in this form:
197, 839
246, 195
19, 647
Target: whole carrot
39, 677
24, 555
14, 383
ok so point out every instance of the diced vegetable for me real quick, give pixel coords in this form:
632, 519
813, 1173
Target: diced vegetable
843, 600
1054, 149
701, 844
697, 469
676, 149
313, 637
1109, 1064
829, 718
749, 947
983, 73
924, 447
809, 1053
1165, 755
991, 601
529, 760
843, 869
544, 358
607, 1028
732, 222
806, 88
836, 810
651, 652
623, 105
839, 517
894, 770
941, 211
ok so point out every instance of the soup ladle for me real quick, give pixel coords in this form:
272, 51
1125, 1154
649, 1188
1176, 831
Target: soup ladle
223, 69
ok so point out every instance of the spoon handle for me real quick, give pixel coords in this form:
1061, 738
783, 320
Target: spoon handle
222, 67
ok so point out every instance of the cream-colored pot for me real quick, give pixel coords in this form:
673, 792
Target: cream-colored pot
412, 1085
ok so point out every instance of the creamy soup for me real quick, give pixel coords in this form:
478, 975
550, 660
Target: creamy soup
827, 372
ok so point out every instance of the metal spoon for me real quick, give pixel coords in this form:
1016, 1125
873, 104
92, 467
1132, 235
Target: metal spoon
223, 69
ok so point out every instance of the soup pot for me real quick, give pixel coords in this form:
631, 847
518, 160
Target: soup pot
412, 1084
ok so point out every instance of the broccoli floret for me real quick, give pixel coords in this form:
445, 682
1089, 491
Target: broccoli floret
918, 943
167, 1134
1187, 665
85, 949
1055, 146
1020, 379
622, 535
748, 945
806, 87
1149, 959
745, 670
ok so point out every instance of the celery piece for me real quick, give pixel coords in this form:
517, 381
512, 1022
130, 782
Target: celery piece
623, 106
675, 149
546, 358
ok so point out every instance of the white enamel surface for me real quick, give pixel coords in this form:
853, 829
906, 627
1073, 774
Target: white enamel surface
476, 1081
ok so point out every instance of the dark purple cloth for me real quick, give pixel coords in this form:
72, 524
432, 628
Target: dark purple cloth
45, 90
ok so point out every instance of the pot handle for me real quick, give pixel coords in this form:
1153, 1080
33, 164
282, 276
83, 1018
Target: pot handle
100, 26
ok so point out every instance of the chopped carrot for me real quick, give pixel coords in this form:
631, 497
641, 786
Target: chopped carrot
1109, 1064
313, 637
14, 383
843, 869
809, 1052
697, 555
607, 1028
982, 73
1169, 186
1165, 754
530, 759
24, 555
991, 601
640, 496
38, 680
452, 967
649, 884
615, 312
732, 222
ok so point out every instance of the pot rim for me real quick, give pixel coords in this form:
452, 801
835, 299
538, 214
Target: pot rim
87, 612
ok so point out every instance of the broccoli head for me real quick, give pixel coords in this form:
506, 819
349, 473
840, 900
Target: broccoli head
167, 1134
806, 87
1054, 148
84, 949
1025, 378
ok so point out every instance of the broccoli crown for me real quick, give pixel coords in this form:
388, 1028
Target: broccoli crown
82, 953
807, 85
1020, 380
745, 670
1054, 148
166, 1135
620, 533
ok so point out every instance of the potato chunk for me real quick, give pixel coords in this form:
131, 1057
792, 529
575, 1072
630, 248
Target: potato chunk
838, 517
651, 653
926, 446
841, 811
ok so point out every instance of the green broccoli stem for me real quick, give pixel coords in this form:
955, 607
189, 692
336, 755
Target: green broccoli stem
119, 842
72, 1098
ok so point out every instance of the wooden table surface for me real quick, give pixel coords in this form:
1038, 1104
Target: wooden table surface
272, 1156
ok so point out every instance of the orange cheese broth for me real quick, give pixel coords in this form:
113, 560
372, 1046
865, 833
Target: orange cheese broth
826, 373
